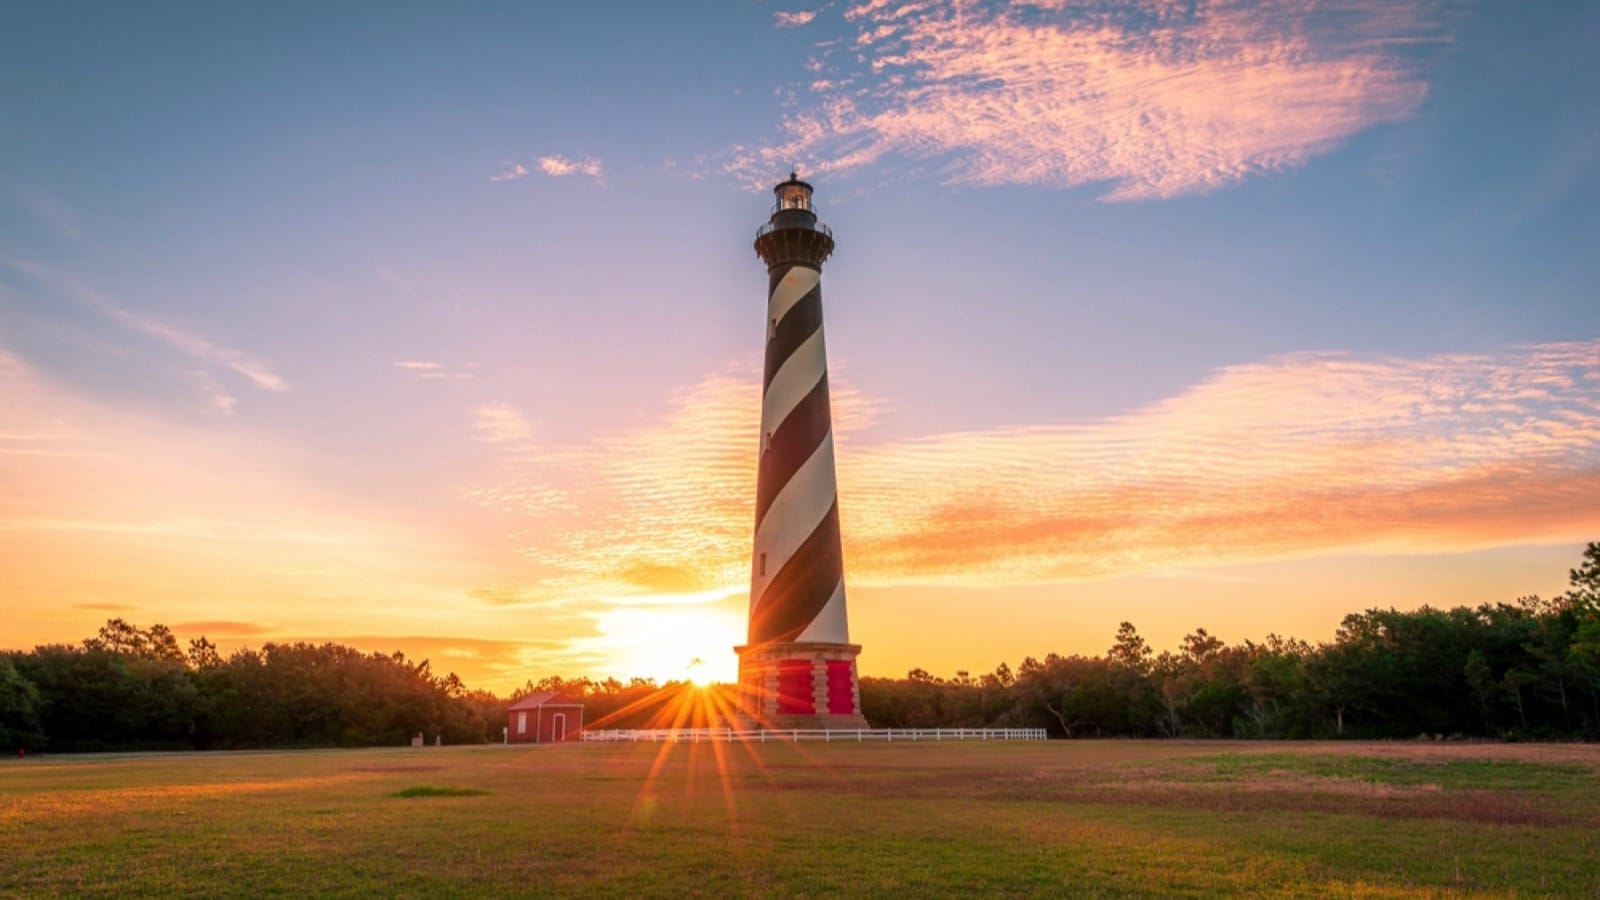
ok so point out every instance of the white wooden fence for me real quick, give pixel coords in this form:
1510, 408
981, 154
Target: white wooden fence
827, 735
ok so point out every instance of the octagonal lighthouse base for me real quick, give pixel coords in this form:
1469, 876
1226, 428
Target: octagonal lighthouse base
787, 684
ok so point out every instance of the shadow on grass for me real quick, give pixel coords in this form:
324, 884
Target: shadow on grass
431, 791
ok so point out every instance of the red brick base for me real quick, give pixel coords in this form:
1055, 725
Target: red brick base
795, 685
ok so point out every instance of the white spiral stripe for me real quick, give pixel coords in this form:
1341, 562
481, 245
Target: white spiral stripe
795, 283
799, 508
793, 381
830, 626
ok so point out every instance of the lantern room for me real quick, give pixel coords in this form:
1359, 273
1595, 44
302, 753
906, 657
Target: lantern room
793, 194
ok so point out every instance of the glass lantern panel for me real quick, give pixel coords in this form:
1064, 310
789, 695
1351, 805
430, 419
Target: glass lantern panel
794, 196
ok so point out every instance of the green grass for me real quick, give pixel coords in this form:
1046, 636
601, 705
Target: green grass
1121, 818
431, 791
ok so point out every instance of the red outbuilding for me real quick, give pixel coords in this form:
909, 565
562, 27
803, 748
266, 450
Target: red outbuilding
543, 719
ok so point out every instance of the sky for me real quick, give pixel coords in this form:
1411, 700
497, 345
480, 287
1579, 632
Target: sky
438, 329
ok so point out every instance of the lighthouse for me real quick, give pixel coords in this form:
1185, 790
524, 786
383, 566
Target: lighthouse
798, 669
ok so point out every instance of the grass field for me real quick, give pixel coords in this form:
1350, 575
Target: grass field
1044, 819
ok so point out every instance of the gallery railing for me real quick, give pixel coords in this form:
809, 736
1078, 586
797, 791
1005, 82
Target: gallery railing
784, 226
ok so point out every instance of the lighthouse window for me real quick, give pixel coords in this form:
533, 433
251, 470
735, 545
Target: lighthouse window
794, 198
763, 572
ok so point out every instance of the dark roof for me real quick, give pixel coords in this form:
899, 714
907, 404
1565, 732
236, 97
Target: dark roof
534, 701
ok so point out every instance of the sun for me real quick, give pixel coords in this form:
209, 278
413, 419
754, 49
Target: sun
679, 642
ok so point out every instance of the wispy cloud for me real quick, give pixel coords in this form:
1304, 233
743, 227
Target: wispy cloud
500, 423
253, 368
46, 209
793, 19
210, 354
562, 167
164, 515
1303, 454
518, 595
503, 664
428, 370
660, 509
1151, 98
555, 166
511, 172
1309, 453
212, 629
224, 403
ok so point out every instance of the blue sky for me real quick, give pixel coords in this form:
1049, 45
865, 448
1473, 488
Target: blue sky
425, 328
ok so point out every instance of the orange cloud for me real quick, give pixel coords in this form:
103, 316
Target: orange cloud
664, 508
1304, 454
499, 664
635, 532
1153, 98
221, 628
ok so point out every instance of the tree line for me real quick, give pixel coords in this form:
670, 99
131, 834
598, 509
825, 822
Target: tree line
1529, 669
1523, 670
129, 688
